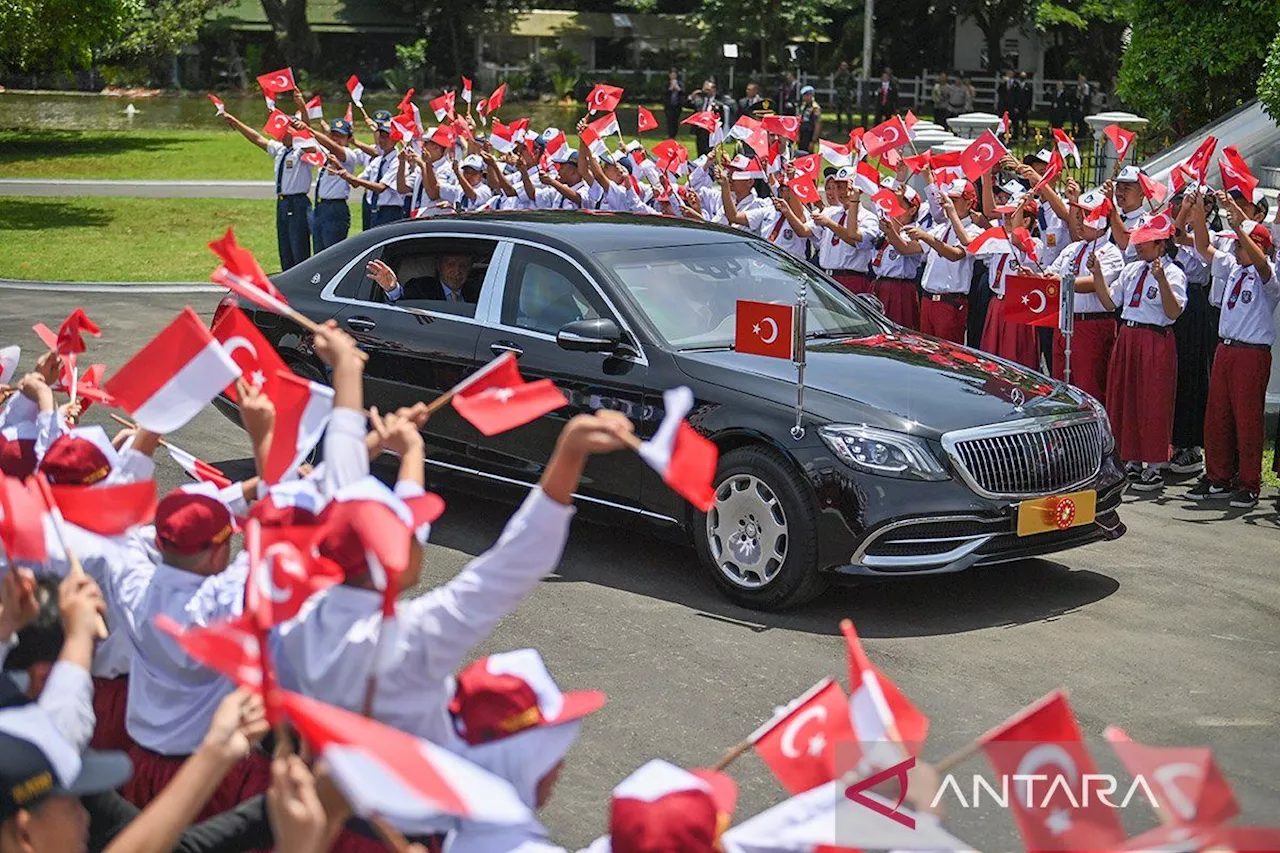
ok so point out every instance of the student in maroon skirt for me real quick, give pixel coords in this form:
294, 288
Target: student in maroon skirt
1095, 325
1245, 286
948, 266
1016, 342
897, 274
1143, 376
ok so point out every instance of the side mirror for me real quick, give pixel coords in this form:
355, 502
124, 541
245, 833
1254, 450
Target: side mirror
599, 335
870, 302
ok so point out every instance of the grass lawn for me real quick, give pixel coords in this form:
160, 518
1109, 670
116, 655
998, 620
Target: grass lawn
1269, 477
152, 154
128, 239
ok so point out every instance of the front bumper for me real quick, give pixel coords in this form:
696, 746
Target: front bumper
881, 526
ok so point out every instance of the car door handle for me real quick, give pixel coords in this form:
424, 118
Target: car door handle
361, 324
499, 347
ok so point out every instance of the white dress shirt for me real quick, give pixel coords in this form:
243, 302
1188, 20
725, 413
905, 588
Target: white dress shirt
888, 262
833, 252
1000, 267
382, 170
1075, 259
778, 230
292, 174
1248, 303
1139, 293
942, 275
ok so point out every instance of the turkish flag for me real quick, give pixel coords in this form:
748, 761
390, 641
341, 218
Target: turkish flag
879, 711
242, 274
1188, 786
1058, 812
887, 204
314, 158
918, 162
799, 747
765, 328
603, 98
1198, 162
1153, 190
277, 125
808, 166
752, 133
257, 358
805, 190
1235, 173
888, 135
1120, 138
1159, 227
982, 155
282, 574
645, 120
496, 398
1031, 300
671, 155
785, 126
708, 121
302, 408
277, 81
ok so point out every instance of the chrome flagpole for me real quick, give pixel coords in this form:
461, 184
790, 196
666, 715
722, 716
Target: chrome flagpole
1067, 320
798, 353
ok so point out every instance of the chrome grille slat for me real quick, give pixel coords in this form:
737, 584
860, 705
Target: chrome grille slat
1031, 458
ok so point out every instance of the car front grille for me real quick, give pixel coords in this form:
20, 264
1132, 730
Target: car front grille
1037, 458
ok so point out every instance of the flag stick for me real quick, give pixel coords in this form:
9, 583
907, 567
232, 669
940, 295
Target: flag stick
390, 836
75, 380
125, 422
733, 754
958, 757
289, 311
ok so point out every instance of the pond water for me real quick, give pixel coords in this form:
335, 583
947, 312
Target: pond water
194, 112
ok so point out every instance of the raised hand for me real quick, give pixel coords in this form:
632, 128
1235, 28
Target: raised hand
382, 274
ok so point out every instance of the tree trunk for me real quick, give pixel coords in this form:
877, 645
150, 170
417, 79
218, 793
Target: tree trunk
993, 31
293, 34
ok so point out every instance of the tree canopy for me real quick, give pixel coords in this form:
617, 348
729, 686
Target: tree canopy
60, 35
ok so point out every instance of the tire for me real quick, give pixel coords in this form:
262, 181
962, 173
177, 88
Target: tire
762, 510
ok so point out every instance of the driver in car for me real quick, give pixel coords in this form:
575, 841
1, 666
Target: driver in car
452, 283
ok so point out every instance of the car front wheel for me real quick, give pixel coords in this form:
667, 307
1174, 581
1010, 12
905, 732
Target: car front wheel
759, 541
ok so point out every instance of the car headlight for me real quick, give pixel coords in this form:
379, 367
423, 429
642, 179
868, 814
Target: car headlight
1108, 438
884, 452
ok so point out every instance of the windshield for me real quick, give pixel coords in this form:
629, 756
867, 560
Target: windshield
689, 293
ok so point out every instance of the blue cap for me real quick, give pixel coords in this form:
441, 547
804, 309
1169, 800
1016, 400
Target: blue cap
381, 115
340, 125
572, 158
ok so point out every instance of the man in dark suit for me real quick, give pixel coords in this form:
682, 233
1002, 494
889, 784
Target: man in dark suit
452, 282
1026, 98
886, 96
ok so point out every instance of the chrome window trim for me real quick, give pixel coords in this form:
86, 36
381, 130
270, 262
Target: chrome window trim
328, 293
514, 482
951, 441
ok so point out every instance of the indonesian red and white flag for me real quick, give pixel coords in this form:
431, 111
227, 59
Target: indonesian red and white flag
836, 155
603, 98
685, 459
442, 106
496, 398
1051, 172
304, 138
743, 166
645, 120
887, 204
799, 744
993, 241
1236, 174
594, 142
466, 89
173, 377
787, 127
302, 412
242, 275
196, 468
1189, 787
888, 135
500, 137
1003, 127
751, 132
887, 725
494, 102
606, 125
1198, 162
277, 125
107, 509
706, 120
764, 328
257, 359
1066, 145
1122, 139
277, 81
314, 109
355, 89
406, 781
982, 155
866, 178
217, 104
557, 149
1042, 743
22, 520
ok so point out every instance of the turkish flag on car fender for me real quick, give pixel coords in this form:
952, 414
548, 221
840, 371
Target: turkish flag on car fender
765, 328
1031, 300
799, 745
496, 398
1058, 813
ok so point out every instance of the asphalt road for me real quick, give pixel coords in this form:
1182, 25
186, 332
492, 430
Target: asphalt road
1172, 633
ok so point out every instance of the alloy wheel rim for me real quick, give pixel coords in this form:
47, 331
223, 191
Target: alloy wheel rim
747, 531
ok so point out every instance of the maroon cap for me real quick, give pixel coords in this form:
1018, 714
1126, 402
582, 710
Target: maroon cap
661, 808
18, 456
505, 694
73, 460
189, 523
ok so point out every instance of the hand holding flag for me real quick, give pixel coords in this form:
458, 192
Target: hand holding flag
685, 459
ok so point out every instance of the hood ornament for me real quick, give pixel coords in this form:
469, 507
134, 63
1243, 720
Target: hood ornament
1017, 398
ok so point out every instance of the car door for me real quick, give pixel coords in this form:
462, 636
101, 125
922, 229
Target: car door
542, 290
418, 347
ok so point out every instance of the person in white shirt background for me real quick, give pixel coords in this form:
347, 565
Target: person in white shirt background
1128, 208
1143, 377
1245, 286
948, 266
844, 233
895, 274
382, 202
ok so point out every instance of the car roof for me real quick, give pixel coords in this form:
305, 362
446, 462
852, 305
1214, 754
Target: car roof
577, 232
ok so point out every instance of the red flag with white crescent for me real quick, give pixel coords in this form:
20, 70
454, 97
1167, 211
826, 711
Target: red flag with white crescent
277, 81
799, 745
982, 155
764, 328
1031, 300
603, 98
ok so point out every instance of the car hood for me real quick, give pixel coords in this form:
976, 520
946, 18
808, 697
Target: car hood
897, 381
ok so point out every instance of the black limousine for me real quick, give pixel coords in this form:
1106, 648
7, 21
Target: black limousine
917, 456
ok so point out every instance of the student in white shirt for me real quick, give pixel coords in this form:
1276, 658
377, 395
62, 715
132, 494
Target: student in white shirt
1143, 377
740, 206
293, 186
331, 219
1245, 285
382, 202
1016, 342
1128, 208
564, 189
1095, 325
845, 234
783, 229
897, 275
948, 266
